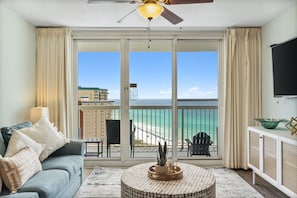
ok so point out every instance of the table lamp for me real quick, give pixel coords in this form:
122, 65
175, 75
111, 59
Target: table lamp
37, 113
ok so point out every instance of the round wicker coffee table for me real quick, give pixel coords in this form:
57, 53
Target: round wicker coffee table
196, 182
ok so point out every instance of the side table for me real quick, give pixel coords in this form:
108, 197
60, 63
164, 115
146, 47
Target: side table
196, 182
98, 143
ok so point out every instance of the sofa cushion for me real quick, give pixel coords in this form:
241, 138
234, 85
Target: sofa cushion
70, 163
16, 170
7, 131
21, 195
45, 133
19, 141
47, 183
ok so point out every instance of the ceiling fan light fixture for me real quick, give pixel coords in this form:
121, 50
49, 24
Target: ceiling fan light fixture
150, 10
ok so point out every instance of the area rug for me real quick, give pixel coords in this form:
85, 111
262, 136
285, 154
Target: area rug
106, 183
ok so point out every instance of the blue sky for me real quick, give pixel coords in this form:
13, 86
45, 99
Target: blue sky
197, 73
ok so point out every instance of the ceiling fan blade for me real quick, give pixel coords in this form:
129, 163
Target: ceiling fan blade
121, 19
110, 1
171, 2
171, 17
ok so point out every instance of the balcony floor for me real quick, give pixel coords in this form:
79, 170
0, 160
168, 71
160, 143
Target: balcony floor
150, 152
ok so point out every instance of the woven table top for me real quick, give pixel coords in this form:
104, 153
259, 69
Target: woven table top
196, 181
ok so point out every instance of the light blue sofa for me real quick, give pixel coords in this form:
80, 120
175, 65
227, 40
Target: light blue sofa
61, 174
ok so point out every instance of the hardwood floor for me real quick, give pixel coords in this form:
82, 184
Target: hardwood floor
262, 186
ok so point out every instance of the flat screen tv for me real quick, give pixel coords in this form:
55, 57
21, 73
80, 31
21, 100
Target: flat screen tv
284, 61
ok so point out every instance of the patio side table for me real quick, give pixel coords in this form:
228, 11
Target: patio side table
99, 145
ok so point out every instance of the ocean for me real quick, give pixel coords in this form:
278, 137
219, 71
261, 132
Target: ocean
153, 119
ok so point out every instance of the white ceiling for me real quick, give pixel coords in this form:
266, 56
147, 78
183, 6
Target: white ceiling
217, 15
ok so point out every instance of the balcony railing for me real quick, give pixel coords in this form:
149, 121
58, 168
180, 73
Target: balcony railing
153, 122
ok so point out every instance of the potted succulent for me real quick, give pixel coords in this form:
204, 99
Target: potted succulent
161, 167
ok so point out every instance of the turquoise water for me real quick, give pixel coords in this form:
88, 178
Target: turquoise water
193, 116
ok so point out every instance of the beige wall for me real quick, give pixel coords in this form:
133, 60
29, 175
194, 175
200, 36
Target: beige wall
280, 29
17, 67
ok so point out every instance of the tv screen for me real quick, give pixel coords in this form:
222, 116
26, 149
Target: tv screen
284, 60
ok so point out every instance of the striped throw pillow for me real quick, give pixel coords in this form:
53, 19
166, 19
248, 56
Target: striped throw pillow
17, 169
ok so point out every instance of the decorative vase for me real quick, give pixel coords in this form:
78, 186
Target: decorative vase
161, 170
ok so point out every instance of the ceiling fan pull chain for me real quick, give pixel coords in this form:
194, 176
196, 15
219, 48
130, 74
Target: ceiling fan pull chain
148, 35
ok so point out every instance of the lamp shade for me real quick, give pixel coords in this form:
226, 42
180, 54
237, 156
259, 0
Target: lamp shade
150, 10
37, 113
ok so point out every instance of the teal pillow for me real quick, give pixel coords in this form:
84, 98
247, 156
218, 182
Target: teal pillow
7, 131
2, 146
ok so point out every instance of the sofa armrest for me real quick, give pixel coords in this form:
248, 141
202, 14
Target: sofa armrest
75, 147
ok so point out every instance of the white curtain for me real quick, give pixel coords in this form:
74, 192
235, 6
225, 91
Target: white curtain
53, 75
243, 92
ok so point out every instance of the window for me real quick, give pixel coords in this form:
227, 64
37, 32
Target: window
172, 91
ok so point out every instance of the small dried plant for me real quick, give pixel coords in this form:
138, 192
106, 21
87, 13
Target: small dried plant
162, 157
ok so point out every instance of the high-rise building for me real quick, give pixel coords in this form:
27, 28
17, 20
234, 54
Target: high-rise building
93, 111
92, 94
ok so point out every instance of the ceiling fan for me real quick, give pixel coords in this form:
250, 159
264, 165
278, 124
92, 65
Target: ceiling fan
151, 9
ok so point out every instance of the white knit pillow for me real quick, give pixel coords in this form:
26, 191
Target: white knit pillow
45, 133
17, 169
19, 141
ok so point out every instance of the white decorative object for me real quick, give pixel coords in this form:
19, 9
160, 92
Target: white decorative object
37, 113
19, 141
45, 133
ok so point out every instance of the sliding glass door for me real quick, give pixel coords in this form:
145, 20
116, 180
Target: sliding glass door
150, 66
197, 92
158, 90
99, 93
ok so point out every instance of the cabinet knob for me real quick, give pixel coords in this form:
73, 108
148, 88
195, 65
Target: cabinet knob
261, 137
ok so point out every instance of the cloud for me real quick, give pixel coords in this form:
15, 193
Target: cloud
191, 93
196, 92
193, 90
166, 93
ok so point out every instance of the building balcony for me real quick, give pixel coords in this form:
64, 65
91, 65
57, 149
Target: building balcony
153, 124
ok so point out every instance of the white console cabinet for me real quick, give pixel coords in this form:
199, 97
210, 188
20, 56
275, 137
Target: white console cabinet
272, 154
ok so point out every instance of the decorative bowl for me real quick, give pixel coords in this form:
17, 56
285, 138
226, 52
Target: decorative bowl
269, 123
174, 174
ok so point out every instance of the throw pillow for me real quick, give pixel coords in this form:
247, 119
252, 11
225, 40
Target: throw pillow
16, 170
45, 133
7, 131
19, 141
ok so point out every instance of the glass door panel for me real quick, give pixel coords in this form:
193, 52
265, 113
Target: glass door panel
98, 91
197, 94
150, 74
